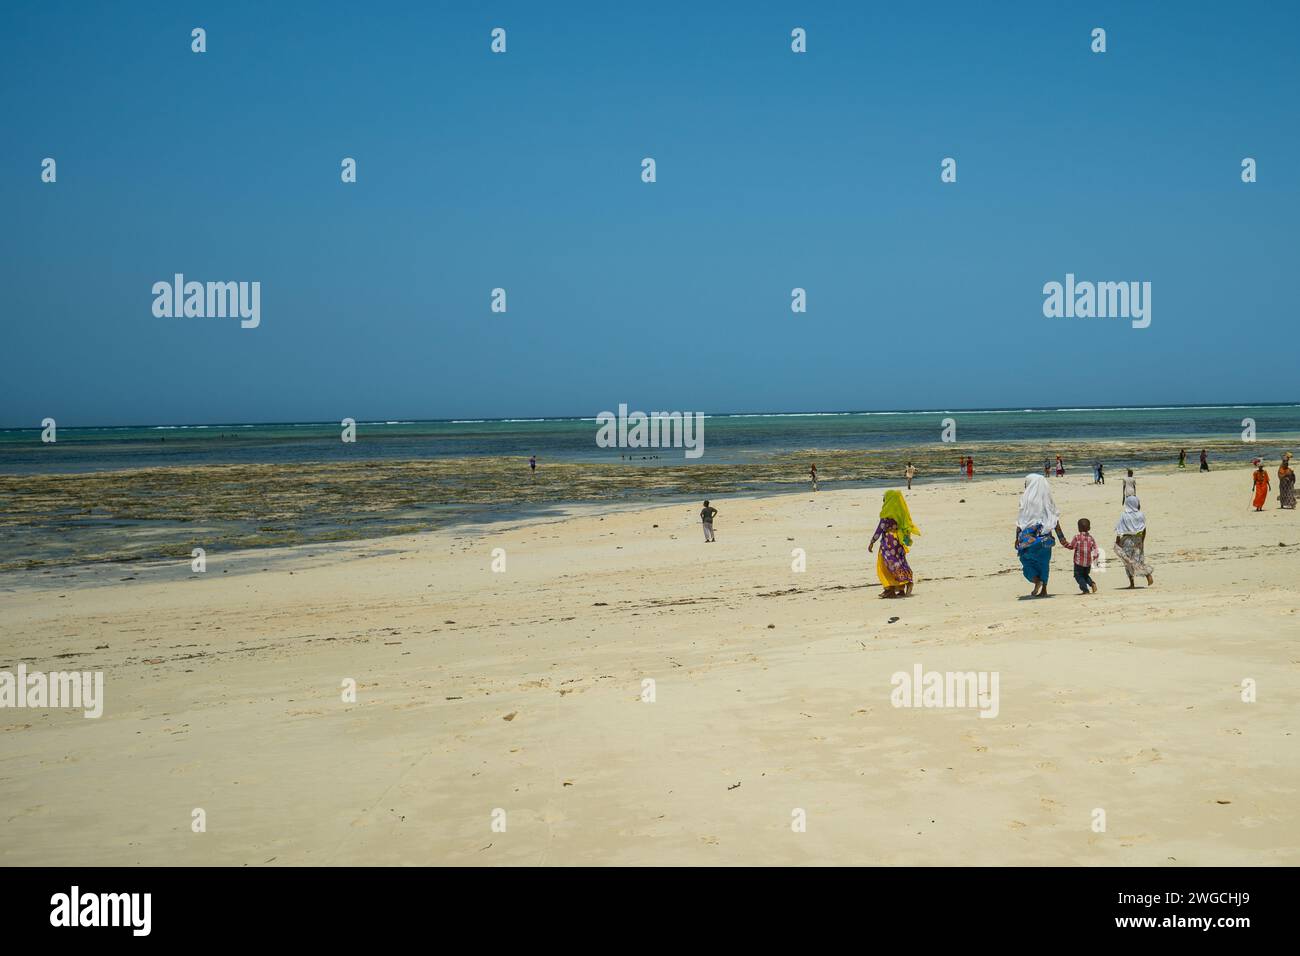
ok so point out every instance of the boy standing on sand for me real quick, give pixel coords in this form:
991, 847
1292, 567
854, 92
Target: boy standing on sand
706, 516
1085, 556
910, 471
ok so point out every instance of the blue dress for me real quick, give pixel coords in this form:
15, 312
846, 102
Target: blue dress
1035, 548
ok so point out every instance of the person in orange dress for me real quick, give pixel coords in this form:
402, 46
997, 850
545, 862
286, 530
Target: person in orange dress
1261, 487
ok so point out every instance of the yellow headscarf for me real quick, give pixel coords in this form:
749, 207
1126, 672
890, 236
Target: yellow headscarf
895, 507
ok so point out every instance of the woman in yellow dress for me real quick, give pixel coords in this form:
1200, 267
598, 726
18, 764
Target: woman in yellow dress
894, 532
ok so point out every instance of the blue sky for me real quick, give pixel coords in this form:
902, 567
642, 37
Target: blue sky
522, 171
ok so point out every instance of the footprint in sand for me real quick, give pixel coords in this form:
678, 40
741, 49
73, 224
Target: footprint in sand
1149, 755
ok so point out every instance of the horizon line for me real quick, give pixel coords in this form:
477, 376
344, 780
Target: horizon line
732, 414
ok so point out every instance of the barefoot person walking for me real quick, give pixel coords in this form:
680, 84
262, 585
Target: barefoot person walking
1129, 489
1286, 483
1085, 556
1036, 524
894, 532
1261, 485
1131, 541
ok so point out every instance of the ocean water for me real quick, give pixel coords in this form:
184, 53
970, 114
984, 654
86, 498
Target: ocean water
728, 438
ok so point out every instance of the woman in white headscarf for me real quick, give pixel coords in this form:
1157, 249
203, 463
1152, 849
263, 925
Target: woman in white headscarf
1131, 540
1039, 519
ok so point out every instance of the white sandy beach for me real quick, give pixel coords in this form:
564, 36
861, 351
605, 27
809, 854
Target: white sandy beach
522, 691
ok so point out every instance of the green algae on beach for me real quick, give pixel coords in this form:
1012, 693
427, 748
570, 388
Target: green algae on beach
53, 520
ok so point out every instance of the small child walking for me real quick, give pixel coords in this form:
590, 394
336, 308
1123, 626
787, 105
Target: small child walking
1085, 556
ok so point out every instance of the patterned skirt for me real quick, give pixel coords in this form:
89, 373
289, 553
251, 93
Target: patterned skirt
1131, 552
891, 563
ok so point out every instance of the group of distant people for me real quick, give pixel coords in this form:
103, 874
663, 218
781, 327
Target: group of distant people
1261, 485
1038, 527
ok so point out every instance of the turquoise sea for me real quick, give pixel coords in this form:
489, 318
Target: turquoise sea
729, 438
107, 495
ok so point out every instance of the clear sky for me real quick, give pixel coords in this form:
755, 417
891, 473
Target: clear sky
523, 171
